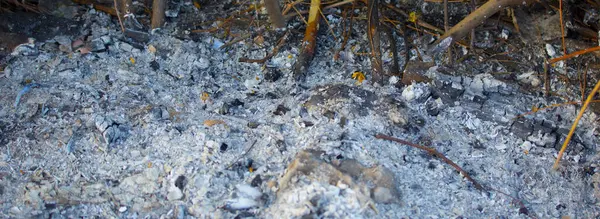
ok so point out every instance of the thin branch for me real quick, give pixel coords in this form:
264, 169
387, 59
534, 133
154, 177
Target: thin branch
274, 12
374, 41
574, 126
580, 52
437, 154
119, 16
478, 17
309, 43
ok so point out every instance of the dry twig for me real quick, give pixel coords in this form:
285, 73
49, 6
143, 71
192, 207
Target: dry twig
437, 154
309, 43
374, 41
274, 12
477, 17
574, 126
158, 13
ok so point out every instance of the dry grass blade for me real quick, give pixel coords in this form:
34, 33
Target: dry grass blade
437, 154
572, 131
309, 43
477, 17
374, 41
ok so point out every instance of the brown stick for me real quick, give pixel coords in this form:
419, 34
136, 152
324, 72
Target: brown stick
446, 30
158, 13
274, 12
309, 43
119, 16
477, 17
391, 34
374, 40
434, 153
472, 39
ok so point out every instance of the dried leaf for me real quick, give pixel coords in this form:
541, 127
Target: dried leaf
358, 76
212, 122
412, 17
204, 97
259, 40
151, 49
132, 60
197, 4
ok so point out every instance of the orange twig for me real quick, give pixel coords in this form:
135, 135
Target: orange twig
568, 139
580, 52
562, 26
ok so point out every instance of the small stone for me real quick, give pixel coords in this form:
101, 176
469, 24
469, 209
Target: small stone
97, 45
281, 110
526, 146
202, 63
272, 75
123, 209
253, 125
106, 40
172, 13
174, 194
126, 47
550, 50
236, 103
416, 92
397, 117
522, 128
329, 114
15, 210
223, 147
432, 108
382, 195
529, 78
394, 80
257, 181
154, 65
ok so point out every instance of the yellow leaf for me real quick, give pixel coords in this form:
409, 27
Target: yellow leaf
412, 17
132, 60
204, 97
358, 76
212, 122
197, 4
